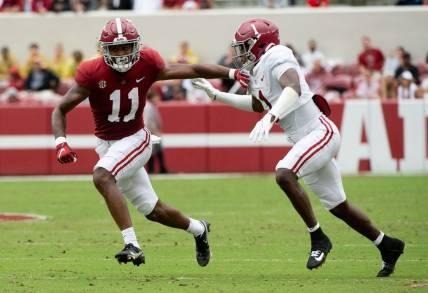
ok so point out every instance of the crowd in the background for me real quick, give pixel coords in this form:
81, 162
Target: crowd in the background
37, 78
373, 75
148, 6
43, 6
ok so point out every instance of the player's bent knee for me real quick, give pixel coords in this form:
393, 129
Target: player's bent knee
157, 213
102, 177
285, 177
145, 207
340, 210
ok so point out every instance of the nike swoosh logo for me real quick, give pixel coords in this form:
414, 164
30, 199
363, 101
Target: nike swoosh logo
319, 258
139, 79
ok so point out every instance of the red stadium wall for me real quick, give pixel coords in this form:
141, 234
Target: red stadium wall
378, 137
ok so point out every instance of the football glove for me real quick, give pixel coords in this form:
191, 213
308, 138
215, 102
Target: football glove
240, 76
260, 132
64, 154
206, 86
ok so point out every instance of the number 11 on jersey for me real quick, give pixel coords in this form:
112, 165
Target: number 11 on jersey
115, 98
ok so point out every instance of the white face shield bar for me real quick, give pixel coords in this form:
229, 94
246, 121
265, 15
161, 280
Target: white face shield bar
244, 58
124, 62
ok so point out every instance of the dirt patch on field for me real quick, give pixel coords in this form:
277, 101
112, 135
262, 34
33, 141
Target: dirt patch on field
12, 217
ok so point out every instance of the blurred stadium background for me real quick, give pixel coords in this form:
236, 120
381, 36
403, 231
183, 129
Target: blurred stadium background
370, 62
380, 109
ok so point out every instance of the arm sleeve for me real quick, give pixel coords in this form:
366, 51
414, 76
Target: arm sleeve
82, 77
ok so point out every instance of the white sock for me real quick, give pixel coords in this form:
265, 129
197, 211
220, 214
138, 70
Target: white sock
314, 228
379, 238
195, 227
129, 236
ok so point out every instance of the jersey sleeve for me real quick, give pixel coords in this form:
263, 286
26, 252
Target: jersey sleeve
282, 61
82, 77
155, 59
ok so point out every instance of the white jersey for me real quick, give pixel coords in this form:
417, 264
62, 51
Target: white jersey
264, 85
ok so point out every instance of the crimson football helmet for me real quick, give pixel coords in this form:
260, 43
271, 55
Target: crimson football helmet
252, 39
120, 31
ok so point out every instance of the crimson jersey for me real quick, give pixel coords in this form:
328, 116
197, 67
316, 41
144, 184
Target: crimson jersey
118, 99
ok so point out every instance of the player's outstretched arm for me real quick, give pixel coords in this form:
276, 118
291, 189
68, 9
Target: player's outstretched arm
242, 102
185, 71
71, 99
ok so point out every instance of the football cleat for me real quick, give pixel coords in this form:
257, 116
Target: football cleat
130, 253
319, 252
390, 252
203, 252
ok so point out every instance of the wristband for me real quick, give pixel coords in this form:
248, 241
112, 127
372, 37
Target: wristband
59, 140
232, 73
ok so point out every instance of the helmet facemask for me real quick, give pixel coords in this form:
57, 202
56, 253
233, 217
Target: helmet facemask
244, 58
121, 63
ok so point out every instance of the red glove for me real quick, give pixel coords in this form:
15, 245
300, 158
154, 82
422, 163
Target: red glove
242, 77
64, 154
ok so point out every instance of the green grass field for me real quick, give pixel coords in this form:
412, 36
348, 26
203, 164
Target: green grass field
259, 243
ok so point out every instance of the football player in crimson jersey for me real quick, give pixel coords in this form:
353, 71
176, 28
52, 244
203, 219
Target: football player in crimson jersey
116, 85
278, 86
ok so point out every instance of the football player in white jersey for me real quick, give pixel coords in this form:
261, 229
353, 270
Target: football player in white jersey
277, 85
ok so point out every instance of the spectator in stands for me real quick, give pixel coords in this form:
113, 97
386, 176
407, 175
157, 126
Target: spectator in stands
7, 61
367, 85
80, 6
371, 58
40, 78
41, 6
406, 65
34, 55
206, 4
388, 83
317, 3
190, 5
409, 2
61, 5
11, 5
59, 64
312, 55
407, 87
185, 55
15, 79
316, 78
12, 86
227, 61
178, 93
147, 6
76, 59
120, 4
153, 121
424, 84
172, 4
272, 3
392, 61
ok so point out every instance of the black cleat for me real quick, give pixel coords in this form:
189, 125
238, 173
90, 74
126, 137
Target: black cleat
390, 251
130, 253
203, 252
319, 252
